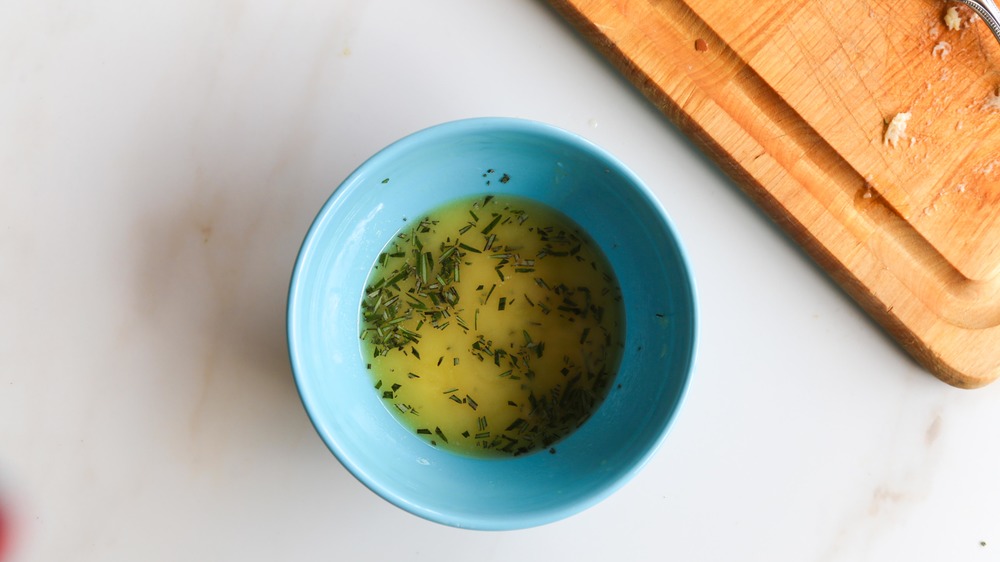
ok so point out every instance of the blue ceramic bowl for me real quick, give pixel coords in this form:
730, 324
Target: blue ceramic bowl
417, 174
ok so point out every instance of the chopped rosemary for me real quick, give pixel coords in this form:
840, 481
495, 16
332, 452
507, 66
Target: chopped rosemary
439, 433
515, 424
493, 223
432, 277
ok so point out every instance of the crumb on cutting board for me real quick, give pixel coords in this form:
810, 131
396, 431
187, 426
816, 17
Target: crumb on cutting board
952, 20
896, 129
869, 187
992, 101
942, 49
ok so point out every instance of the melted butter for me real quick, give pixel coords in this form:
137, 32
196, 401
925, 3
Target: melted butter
492, 327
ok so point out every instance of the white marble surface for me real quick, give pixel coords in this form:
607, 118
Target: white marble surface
159, 165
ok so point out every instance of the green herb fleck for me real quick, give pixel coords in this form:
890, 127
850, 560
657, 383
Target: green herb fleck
496, 219
439, 433
469, 248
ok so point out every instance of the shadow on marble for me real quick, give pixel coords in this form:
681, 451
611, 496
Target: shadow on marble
209, 286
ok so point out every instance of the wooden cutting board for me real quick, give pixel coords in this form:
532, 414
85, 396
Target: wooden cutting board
793, 99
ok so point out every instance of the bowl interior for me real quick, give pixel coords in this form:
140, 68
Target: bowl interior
414, 176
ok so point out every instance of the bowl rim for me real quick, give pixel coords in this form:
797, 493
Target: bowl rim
542, 130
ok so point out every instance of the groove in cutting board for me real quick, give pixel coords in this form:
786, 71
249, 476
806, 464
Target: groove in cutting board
864, 211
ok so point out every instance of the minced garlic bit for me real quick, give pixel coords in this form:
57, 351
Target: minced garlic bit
896, 129
952, 20
942, 49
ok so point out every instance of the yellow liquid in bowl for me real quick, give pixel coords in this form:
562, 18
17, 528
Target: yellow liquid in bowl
492, 326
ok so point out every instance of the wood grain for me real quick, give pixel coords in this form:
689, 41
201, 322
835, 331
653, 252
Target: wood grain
792, 100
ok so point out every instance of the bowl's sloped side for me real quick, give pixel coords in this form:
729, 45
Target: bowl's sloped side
424, 171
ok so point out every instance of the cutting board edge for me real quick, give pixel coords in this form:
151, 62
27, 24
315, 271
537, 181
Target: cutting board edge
942, 363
